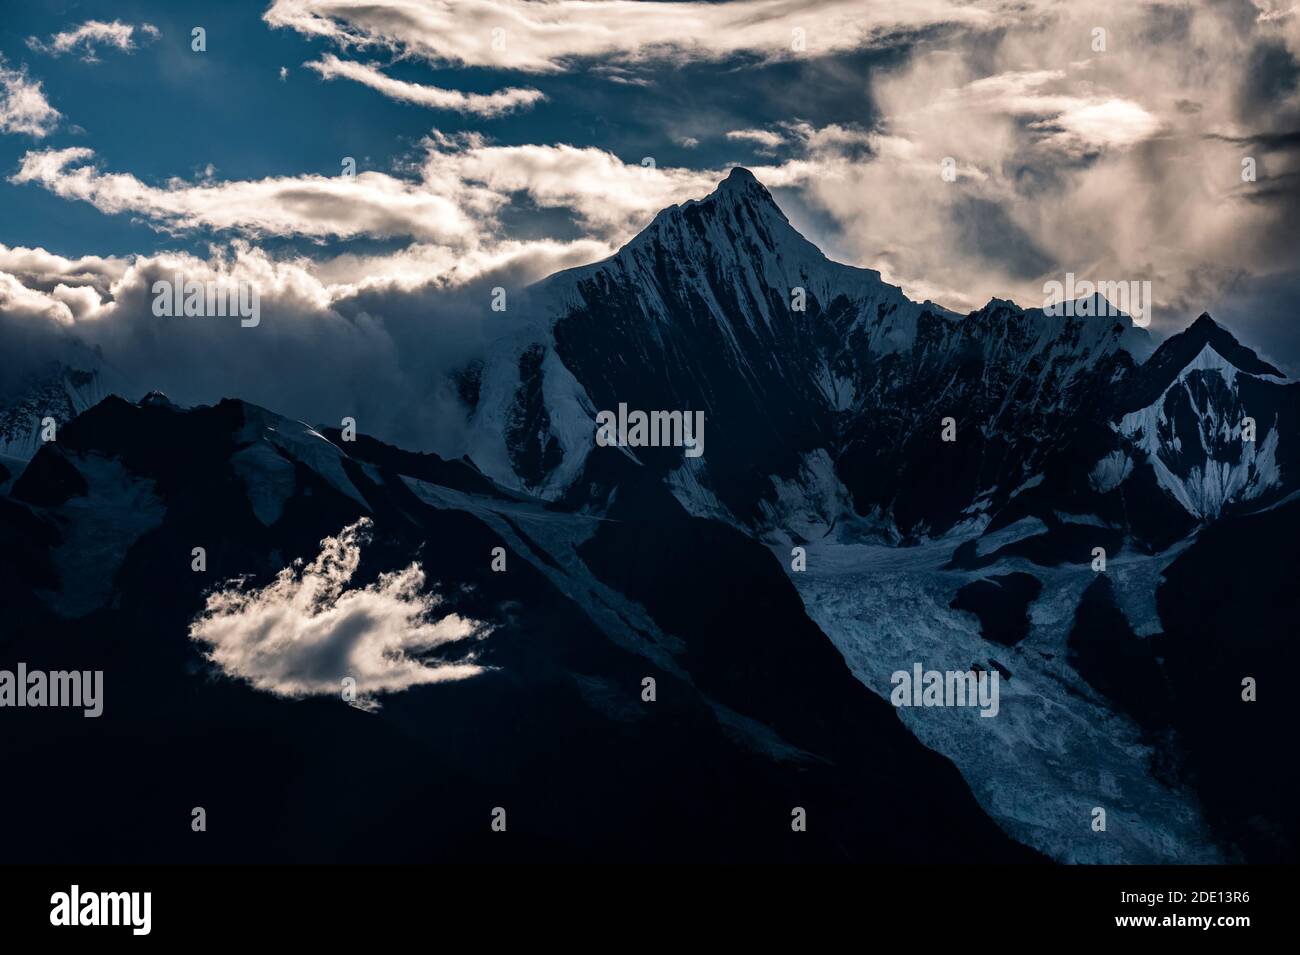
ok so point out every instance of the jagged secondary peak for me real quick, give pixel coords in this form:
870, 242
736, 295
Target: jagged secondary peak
157, 399
56, 390
1213, 420
1206, 331
1181, 350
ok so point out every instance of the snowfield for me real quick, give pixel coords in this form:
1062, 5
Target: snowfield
1056, 749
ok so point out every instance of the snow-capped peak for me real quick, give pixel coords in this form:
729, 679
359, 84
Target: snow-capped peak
61, 393
1214, 421
738, 220
823, 384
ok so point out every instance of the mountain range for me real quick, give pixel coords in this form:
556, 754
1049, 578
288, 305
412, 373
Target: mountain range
1107, 522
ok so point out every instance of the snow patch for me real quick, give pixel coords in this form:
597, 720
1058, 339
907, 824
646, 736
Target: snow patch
809, 504
1110, 472
268, 479
302, 443
98, 529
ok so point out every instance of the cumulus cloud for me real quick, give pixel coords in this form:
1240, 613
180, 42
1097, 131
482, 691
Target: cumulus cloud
90, 36
544, 36
39, 269
307, 631
478, 104
381, 337
24, 303
23, 106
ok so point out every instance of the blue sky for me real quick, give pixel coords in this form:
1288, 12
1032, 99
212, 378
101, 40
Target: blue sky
1114, 155
161, 110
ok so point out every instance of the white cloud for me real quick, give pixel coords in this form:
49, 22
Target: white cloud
24, 303
422, 264
433, 97
1116, 165
765, 139
41, 269
90, 36
609, 198
464, 184
362, 322
376, 336
313, 206
543, 36
303, 634
23, 106
35, 283
1042, 132
1087, 120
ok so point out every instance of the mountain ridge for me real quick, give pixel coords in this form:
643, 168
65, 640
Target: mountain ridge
818, 380
725, 307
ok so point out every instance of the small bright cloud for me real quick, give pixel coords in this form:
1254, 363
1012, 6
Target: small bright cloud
433, 97
764, 139
303, 634
90, 36
23, 106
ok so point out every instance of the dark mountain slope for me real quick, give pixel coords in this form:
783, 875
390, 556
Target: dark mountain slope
554, 730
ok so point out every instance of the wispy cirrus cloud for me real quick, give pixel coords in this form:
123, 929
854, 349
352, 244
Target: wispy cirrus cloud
432, 97
764, 139
89, 37
462, 185
312, 206
23, 106
1064, 106
607, 197
546, 36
